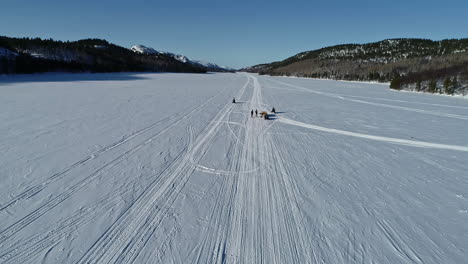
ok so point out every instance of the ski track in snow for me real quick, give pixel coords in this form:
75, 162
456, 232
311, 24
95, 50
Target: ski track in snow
36, 188
343, 97
404, 101
264, 204
406, 142
251, 207
9, 231
123, 241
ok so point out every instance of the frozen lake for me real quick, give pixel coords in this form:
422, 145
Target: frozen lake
163, 168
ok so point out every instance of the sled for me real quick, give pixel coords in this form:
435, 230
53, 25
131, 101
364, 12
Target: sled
264, 114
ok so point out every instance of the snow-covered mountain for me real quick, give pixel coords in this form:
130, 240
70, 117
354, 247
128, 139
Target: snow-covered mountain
210, 65
141, 49
144, 50
147, 50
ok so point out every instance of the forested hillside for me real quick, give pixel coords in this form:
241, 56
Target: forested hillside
26, 55
407, 63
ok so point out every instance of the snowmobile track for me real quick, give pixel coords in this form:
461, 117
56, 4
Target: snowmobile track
127, 236
36, 188
50, 204
343, 97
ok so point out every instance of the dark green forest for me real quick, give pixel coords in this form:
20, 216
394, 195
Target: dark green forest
87, 55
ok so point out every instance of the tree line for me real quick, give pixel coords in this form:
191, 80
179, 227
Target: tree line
89, 55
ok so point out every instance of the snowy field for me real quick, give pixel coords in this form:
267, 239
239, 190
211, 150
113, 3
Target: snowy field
163, 168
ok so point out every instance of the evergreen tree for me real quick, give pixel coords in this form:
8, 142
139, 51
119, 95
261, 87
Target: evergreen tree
447, 85
452, 86
450, 90
455, 82
4, 65
396, 83
418, 86
432, 86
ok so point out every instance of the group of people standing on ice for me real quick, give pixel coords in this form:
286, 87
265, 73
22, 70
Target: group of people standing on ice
251, 112
264, 114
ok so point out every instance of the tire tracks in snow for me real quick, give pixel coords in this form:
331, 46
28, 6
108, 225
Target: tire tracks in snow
214, 241
38, 187
399, 141
343, 97
227, 122
397, 243
125, 239
52, 203
212, 248
255, 218
33, 245
404, 101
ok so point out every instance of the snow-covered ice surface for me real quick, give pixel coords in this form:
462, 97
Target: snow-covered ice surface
163, 168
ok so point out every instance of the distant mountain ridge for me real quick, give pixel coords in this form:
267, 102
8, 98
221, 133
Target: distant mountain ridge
26, 55
207, 65
408, 61
150, 51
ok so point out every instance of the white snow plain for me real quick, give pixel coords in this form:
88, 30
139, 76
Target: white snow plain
163, 168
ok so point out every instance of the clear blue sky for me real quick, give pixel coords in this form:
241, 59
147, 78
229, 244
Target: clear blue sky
234, 33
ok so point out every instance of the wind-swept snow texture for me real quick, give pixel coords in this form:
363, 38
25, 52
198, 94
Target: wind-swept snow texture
163, 168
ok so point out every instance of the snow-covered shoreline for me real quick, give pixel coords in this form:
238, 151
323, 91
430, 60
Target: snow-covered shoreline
377, 83
438, 94
325, 79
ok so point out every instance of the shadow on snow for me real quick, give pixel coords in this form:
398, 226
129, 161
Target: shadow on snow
70, 77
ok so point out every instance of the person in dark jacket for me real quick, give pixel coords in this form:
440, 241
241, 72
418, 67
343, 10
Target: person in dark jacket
273, 110
251, 113
256, 112
233, 100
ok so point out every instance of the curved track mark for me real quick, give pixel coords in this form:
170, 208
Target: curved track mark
406, 142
